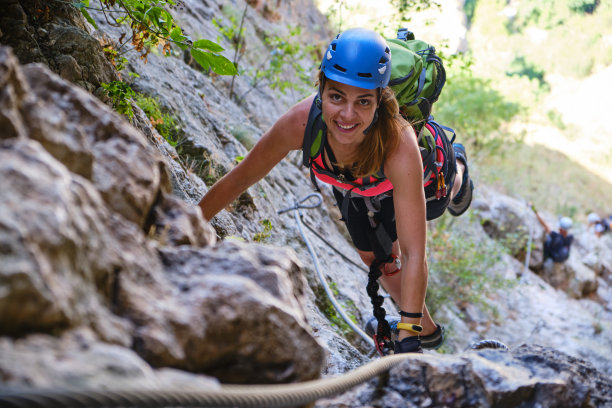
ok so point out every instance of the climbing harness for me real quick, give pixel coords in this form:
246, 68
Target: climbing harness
297, 213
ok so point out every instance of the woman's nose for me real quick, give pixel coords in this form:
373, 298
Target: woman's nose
347, 112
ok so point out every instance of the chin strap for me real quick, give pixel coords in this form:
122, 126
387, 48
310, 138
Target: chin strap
365, 132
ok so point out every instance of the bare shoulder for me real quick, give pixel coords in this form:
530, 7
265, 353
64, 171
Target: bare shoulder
292, 124
404, 168
406, 150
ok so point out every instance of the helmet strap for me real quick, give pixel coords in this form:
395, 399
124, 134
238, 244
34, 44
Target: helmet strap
321, 85
365, 132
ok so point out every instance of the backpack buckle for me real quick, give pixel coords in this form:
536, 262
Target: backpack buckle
441, 187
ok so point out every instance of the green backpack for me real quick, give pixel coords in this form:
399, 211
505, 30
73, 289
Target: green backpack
417, 76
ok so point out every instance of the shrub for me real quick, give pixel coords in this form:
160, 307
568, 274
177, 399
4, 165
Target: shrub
461, 267
165, 124
473, 107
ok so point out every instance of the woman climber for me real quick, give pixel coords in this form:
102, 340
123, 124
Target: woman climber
370, 155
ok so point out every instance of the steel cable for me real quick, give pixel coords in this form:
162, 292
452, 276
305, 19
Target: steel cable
297, 215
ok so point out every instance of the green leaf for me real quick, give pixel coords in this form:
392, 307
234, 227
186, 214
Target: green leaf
88, 18
177, 34
154, 14
222, 65
201, 58
208, 45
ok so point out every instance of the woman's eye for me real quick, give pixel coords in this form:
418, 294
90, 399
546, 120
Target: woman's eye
364, 102
335, 97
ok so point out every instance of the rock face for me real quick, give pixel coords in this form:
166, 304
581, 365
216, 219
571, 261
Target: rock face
511, 221
529, 376
55, 34
86, 217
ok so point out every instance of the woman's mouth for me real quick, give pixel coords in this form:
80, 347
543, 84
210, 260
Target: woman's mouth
346, 126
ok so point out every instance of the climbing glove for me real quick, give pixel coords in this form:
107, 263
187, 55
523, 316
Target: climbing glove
408, 345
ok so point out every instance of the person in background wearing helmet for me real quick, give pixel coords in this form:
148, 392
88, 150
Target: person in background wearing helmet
600, 226
557, 244
363, 134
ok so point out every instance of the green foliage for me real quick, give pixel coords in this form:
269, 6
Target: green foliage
152, 25
583, 6
549, 13
461, 267
343, 14
404, 8
233, 31
473, 107
243, 135
82, 6
567, 37
283, 54
164, 123
329, 311
265, 234
337, 10
521, 67
121, 95
115, 58
556, 119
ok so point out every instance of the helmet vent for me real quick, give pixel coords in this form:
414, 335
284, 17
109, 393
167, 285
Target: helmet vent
333, 46
383, 60
339, 68
364, 74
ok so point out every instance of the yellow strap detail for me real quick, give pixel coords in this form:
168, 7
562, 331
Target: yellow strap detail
415, 328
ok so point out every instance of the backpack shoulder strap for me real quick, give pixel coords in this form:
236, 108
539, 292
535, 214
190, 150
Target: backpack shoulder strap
314, 125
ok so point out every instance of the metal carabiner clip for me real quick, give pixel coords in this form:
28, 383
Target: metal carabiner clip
300, 204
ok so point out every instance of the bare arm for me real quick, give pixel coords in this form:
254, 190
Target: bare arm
404, 169
542, 222
285, 135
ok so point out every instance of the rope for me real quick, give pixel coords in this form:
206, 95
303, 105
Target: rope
491, 344
383, 332
283, 395
278, 395
298, 215
529, 241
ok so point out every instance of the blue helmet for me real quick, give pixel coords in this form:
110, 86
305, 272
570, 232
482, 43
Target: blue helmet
358, 57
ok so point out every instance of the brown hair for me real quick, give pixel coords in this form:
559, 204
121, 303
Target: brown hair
382, 138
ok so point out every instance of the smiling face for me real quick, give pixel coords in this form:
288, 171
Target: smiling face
348, 111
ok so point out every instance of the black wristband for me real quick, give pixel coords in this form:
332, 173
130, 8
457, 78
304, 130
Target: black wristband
414, 315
